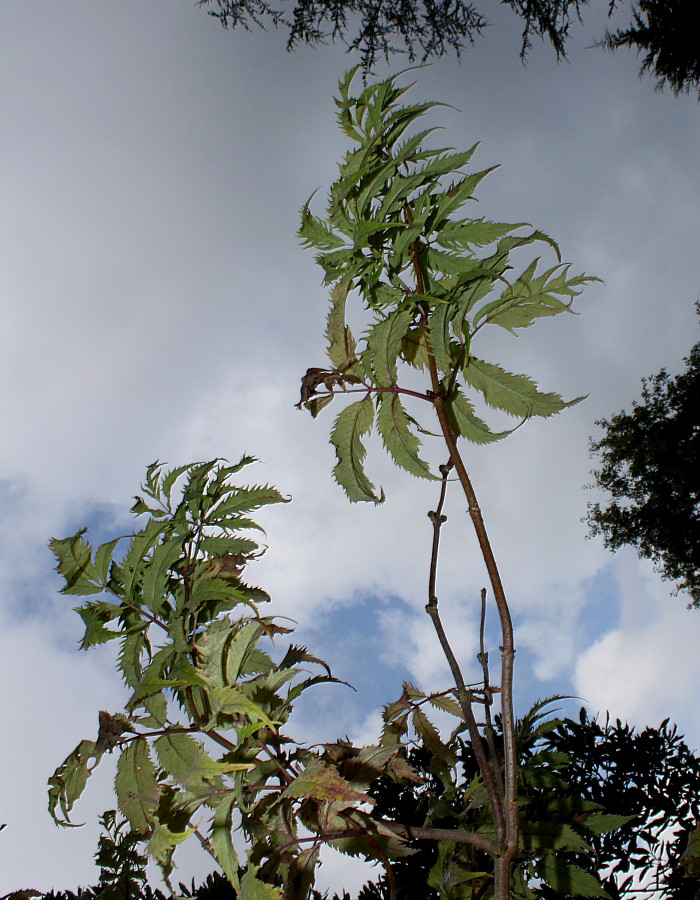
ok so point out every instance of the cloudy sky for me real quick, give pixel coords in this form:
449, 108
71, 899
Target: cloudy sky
155, 304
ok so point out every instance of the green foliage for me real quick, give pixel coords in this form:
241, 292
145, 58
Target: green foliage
560, 824
599, 800
651, 469
429, 279
209, 685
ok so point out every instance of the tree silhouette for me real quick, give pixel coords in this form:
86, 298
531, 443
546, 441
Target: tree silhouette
664, 30
666, 33
650, 775
651, 468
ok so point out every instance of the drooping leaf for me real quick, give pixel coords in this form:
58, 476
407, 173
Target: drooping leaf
162, 843
68, 781
393, 424
314, 232
228, 701
220, 838
384, 343
94, 616
74, 564
188, 762
341, 344
352, 424
321, 782
136, 786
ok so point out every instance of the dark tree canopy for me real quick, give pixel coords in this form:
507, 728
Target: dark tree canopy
665, 31
651, 775
651, 469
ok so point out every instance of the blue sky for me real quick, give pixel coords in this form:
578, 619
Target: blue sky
154, 303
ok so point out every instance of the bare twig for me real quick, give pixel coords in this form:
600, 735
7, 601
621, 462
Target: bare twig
463, 694
483, 658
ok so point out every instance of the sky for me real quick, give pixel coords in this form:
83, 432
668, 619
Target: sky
155, 304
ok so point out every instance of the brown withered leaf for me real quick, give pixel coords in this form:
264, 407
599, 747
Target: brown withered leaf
339, 751
315, 377
111, 729
228, 566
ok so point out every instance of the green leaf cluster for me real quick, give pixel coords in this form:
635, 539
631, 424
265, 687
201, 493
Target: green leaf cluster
200, 741
429, 277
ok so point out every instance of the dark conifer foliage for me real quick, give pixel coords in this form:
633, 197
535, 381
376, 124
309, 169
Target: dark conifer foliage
664, 31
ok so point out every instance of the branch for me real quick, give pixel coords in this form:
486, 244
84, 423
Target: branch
414, 833
463, 694
507, 837
483, 658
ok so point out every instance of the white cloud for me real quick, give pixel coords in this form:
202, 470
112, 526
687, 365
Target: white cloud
648, 669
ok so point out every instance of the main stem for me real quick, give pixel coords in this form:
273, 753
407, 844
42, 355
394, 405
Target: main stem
509, 840
507, 648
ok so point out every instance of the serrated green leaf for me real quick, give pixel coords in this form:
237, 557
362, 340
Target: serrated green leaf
457, 195
430, 736
465, 423
243, 642
601, 822
156, 707
439, 329
157, 573
567, 878
68, 781
341, 344
457, 235
314, 232
74, 564
132, 564
229, 701
188, 762
321, 782
129, 661
220, 838
537, 836
163, 841
350, 426
170, 478
94, 616
530, 297
227, 513
136, 786
516, 395
316, 404
393, 425
103, 559
254, 889
384, 343
448, 704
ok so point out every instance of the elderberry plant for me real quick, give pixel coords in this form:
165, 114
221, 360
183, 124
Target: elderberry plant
429, 280
202, 743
